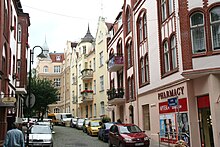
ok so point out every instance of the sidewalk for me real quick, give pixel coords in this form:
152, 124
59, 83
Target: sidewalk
154, 143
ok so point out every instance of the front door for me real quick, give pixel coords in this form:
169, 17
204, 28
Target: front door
205, 122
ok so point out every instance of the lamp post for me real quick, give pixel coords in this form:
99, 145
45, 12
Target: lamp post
41, 55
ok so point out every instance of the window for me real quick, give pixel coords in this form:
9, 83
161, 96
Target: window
146, 117
58, 58
146, 69
163, 9
166, 57
140, 30
142, 71
19, 33
84, 49
101, 58
80, 89
197, 33
170, 7
95, 110
173, 52
90, 111
57, 69
102, 108
56, 110
94, 91
145, 26
128, 17
58, 97
15, 27
101, 83
130, 88
80, 69
57, 82
45, 69
94, 64
129, 60
215, 27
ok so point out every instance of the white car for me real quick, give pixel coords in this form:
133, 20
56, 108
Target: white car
40, 135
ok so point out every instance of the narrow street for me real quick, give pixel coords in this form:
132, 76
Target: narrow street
71, 137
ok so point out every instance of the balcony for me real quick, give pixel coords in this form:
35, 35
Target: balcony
87, 95
87, 74
115, 96
115, 63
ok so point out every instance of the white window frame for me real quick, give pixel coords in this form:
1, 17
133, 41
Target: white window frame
102, 83
213, 34
166, 57
45, 69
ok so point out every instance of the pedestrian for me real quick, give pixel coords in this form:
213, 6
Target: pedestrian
119, 121
14, 137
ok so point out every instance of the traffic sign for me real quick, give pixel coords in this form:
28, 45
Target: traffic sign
172, 102
32, 100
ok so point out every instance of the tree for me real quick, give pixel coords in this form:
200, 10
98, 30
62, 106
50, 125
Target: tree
45, 94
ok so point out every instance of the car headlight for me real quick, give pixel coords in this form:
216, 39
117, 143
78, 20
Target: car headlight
127, 139
146, 138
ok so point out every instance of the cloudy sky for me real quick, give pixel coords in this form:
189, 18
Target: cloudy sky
62, 20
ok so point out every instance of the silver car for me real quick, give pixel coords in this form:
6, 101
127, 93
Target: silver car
40, 135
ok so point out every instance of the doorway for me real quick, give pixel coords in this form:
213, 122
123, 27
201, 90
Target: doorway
205, 122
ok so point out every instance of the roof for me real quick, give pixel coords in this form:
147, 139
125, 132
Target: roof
88, 37
55, 56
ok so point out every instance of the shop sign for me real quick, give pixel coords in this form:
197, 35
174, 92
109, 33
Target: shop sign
9, 100
165, 108
171, 93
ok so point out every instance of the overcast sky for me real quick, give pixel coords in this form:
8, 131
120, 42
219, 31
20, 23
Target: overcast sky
62, 20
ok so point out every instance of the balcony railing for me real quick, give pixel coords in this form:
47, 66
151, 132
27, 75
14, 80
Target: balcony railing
87, 95
115, 95
87, 74
115, 63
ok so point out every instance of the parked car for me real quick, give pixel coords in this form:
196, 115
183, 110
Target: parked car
79, 123
93, 127
125, 135
73, 122
104, 131
40, 135
85, 125
46, 123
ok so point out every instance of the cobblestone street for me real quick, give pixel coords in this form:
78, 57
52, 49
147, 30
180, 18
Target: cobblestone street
71, 137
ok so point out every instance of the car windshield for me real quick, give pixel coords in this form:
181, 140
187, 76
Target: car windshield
95, 124
108, 125
40, 130
80, 120
129, 129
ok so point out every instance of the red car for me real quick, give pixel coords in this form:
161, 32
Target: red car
127, 135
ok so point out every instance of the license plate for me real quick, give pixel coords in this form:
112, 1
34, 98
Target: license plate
37, 144
139, 144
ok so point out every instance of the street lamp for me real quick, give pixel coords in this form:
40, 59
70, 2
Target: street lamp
41, 55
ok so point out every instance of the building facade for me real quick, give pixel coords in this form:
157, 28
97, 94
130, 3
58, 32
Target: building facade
171, 69
14, 25
51, 68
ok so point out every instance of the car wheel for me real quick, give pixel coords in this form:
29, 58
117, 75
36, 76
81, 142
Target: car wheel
109, 143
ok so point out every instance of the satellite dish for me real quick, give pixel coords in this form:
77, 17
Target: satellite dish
32, 100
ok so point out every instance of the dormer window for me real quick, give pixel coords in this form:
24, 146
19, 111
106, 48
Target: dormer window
58, 58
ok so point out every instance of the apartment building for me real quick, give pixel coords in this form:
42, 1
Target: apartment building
171, 69
51, 68
14, 25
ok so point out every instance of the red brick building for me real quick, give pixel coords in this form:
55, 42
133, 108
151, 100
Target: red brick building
14, 25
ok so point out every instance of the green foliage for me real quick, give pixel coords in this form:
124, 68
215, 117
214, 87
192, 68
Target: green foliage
45, 94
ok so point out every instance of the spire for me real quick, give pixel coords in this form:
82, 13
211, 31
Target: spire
88, 37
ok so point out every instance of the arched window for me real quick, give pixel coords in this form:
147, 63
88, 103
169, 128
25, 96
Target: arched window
145, 25
45, 69
215, 27
140, 32
197, 33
